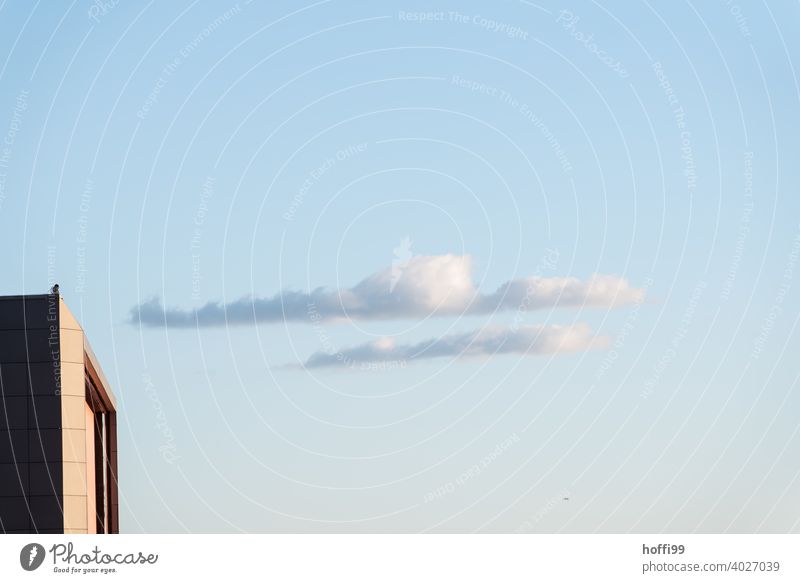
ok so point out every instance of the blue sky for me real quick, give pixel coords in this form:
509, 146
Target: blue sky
417, 173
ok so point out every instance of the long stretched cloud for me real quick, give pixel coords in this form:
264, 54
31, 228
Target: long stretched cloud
525, 340
422, 286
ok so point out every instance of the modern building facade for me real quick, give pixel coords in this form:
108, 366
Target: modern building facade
58, 424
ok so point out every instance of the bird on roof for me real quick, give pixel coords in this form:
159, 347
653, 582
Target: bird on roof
54, 290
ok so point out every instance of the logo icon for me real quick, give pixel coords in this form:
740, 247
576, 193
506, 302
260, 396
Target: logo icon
31, 556
402, 255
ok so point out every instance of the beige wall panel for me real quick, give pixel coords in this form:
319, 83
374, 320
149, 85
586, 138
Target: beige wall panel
73, 444
71, 346
72, 412
73, 379
75, 512
67, 320
75, 476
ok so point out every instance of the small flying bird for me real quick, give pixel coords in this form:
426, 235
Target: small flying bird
54, 289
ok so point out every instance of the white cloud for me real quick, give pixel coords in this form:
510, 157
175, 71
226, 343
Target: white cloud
544, 292
525, 340
427, 285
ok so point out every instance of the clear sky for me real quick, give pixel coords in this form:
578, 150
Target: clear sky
402, 266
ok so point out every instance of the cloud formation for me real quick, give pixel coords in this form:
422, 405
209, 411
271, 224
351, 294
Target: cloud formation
525, 340
423, 286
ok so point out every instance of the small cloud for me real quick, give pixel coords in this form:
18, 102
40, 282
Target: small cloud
435, 285
487, 341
